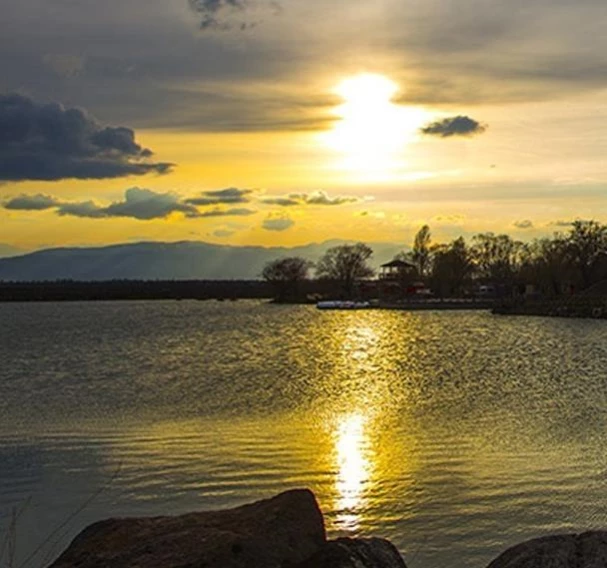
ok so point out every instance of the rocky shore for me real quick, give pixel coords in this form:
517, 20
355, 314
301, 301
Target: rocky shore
286, 531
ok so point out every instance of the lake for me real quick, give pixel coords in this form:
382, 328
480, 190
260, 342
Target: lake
453, 434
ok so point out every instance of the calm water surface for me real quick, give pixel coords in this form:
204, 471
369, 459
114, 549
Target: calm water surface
454, 434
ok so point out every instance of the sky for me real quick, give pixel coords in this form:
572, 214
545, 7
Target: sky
285, 122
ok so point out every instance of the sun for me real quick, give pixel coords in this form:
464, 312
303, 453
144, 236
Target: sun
372, 131
367, 91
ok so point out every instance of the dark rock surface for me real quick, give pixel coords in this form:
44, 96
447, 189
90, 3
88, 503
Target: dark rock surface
286, 531
586, 550
273, 533
355, 553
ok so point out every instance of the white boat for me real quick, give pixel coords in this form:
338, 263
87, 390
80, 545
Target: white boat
342, 305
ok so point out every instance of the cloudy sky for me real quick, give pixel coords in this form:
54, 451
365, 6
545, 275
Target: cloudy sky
292, 121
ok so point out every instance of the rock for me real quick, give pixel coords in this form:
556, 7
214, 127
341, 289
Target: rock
355, 553
273, 533
586, 550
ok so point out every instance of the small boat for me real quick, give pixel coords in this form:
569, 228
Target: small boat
342, 305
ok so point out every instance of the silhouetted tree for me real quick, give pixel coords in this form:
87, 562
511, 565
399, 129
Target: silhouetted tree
586, 248
451, 268
285, 275
345, 264
421, 252
497, 257
547, 265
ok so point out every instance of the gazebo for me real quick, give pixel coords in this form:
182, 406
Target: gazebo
396, 270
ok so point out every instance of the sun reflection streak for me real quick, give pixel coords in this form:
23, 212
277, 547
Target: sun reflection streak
360, 342
353, 473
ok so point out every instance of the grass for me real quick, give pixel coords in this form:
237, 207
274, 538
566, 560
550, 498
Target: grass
8, 548
46, 550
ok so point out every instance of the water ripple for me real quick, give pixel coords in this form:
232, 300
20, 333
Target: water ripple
453, 434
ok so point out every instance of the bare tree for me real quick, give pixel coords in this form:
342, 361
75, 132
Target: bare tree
286, 275
451, 268
421, 254
345, 264
586, 249
547, 265
497, 257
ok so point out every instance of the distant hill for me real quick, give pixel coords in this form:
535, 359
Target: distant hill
8, 250
163, 261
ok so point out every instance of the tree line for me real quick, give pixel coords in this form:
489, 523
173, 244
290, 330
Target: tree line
561, 264
73, 290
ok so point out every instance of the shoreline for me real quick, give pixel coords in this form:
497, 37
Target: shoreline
585, 307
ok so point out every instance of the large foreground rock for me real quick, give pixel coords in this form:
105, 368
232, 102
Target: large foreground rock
273, 533
586, 550
356, 553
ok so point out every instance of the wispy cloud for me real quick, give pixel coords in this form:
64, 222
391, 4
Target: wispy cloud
138, 203
277, 222
37, 202
233, 212
146, 204
226, 15
65, 64
523, 224
312, 198
282, 201
230, 195
87, 209
222, 233
141, 204
561, 223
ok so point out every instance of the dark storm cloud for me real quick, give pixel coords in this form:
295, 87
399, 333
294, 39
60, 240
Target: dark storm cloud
37, 202
313, 198
229, 195
51, 142
454, 126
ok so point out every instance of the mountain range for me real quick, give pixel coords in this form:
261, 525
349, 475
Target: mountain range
183, 260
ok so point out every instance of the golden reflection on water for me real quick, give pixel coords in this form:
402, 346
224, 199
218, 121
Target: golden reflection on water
354, 462
361, 395
342, 445
359, 342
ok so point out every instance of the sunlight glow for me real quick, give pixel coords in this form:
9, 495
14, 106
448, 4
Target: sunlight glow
373, 131
367, 90
353, 470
